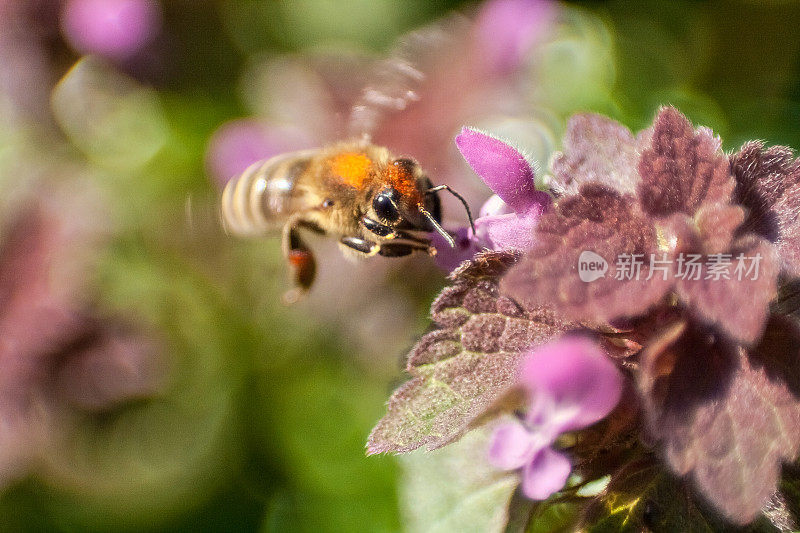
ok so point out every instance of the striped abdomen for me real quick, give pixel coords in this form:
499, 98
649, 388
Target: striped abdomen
263, 196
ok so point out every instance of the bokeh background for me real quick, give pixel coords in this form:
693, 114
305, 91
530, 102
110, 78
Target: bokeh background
150, 378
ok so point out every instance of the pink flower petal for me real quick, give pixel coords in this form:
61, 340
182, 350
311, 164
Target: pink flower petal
512, 446
448, 258
494, 206
573, 385
545, 474
511, 231
504, 169
503, 232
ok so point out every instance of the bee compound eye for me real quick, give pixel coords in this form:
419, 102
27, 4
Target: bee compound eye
385, 205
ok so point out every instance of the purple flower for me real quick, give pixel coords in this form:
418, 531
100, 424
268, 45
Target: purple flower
571, 384
508, 218
116, 29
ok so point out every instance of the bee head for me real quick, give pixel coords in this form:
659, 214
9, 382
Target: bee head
409, 200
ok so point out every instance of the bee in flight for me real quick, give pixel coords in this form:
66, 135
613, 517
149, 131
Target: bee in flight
359, 193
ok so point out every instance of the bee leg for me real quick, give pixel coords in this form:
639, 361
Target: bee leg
301, 262
390, 233
399, 249
360, 245
377, 228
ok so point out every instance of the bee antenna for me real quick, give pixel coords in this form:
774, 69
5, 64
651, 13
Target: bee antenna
447, 188
438, 227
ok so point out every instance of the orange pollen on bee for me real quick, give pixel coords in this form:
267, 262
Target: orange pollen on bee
353, 168
401, 179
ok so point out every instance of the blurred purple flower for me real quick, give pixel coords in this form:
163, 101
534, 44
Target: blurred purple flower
116, 29
55, 354
507, 29
508, 218
571, 384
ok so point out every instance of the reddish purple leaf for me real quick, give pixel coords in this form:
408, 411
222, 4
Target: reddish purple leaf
598, 225
768, 184
684, 193
716, 225
735, 292
683, 169
596, 150
460, 369
726, 418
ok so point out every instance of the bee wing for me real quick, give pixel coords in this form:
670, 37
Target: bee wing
310, 94
344, 94
436, 81
396, 81
340, 78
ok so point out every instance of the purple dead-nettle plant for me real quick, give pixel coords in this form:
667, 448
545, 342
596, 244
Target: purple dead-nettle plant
671, 267
682, 208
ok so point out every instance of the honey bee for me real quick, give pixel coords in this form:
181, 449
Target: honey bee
359, 193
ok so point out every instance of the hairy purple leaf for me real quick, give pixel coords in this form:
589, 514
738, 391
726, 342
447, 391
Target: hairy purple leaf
737, 302
683, 169
460, 369
596, 149
716, 225
606, 225
768, 184
724, 417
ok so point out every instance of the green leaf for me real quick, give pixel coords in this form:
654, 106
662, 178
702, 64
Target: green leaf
455, 489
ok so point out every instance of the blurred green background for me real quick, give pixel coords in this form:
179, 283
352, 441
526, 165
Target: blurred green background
262, 421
